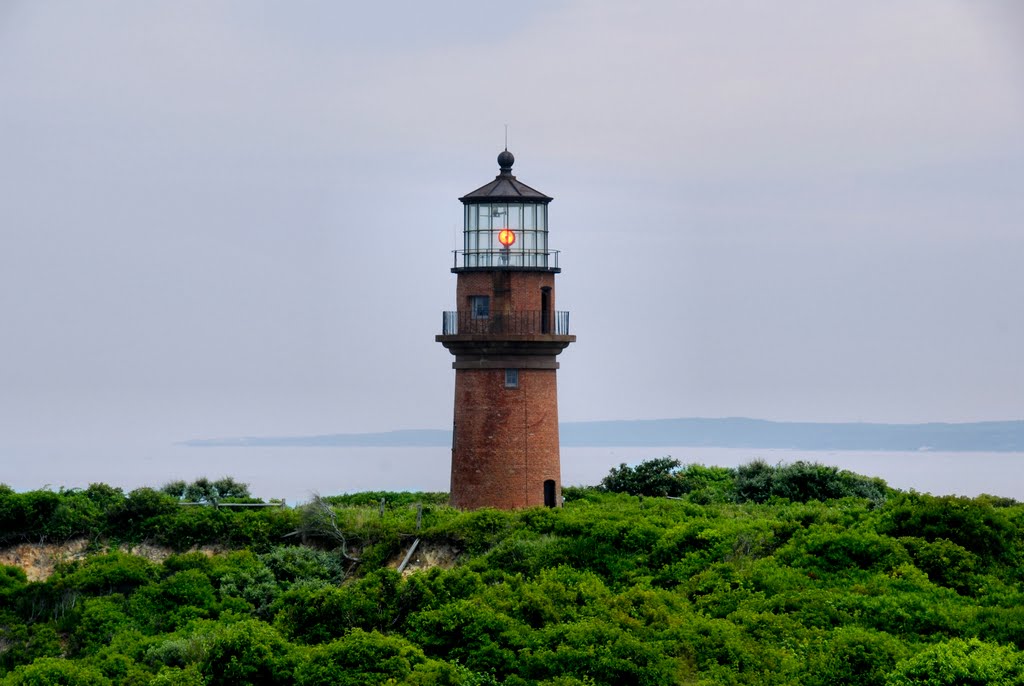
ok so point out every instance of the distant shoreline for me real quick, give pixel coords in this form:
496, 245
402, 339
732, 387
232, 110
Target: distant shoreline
731, 432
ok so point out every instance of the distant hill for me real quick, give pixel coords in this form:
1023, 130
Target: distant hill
731, 432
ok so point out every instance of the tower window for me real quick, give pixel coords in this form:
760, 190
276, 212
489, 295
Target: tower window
511, 378
480, 306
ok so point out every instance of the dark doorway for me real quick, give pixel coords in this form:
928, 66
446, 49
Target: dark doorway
545, 310
549, 493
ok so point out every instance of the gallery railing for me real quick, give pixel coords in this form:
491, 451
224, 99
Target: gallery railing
501, 258
530, 322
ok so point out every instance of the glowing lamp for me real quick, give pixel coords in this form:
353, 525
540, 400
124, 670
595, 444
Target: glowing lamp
507, 237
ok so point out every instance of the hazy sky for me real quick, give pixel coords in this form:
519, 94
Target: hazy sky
236, 218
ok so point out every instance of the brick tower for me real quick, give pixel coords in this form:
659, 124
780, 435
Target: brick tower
505, 335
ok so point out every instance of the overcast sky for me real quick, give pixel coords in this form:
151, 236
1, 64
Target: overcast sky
236, 218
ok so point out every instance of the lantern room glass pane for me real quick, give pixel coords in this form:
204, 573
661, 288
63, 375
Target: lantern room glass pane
499, 215
515, 217
529, 240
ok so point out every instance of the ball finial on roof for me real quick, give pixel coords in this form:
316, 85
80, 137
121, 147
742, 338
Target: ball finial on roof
505, 161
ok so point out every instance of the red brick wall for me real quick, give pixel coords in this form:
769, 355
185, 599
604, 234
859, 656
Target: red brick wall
506, 439
510, 291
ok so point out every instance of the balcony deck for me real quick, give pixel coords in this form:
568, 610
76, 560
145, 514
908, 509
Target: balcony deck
525, 323
499, 337
511, 259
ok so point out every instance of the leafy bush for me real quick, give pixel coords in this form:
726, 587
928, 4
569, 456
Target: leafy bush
247, 652
100, 620
706, 485
205, 491
961, 663
176, 676
255, 584
107, 573
23, 643
973, 525
315, 613
475, 635
392, 499
359, 659
51, 671
803, 481
945, 562
827, 549
651, 478
11, 579
141, 505
26, 516
174, 601
855, 656
594, 651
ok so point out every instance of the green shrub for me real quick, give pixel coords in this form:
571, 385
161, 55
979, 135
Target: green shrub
479, 530
103, 574
706, 485
174, 601
51, 671
25, 516
803, 481
655, 477
176, 676
478, 636
247, 652
76, 515
120, 668
100, 620
855, 656
722, 652
597, 651
205, 491
141, 505
359, 659
828, 549
574, 493
960, 663
20, 644
255, 584
945, 562
312, 613
1004, 625
975, 526
392, 499
12, 579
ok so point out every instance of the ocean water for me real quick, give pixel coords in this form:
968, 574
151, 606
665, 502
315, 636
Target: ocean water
295, 474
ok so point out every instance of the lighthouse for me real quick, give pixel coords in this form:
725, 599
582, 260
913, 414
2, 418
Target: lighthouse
506, 335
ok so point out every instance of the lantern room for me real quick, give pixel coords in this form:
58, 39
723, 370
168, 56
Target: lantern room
505, 225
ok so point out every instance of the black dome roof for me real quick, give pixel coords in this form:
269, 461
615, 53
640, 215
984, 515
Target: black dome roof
505, 186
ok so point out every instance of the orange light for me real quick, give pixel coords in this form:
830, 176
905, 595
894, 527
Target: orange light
507, 237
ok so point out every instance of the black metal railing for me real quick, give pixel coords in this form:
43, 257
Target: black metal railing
531, 322
501, 258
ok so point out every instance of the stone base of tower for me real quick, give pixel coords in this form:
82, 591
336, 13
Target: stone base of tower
505, 440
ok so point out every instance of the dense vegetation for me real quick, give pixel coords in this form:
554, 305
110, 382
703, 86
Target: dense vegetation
664, 574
